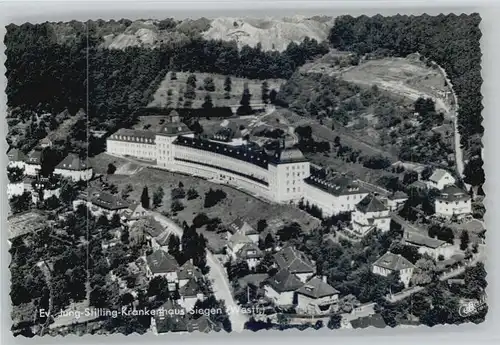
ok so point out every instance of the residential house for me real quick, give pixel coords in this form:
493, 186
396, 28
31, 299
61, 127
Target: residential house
33, 163
317, 297
202, 324
135, 212
162, 264
236, 242
44, 188
45, 142
190, 293
281, 287
170, 317
151, 230
241, 226
428, 245
101, 203
187, 272
16, 158
295, 262
74, 168
251, 253
396, 200
370, 213
391, 263
453, 201
440, 178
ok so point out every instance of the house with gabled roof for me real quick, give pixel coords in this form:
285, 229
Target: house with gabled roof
190, 293
16, 158
170, 317
187, 272
101, 203
296, 262
440, 178
74, 167
391, 263
317, 297
281, 287
251, 253
236, 242
150, 230
396, 200
370, 213
160, 263
33, 163
428, 245
453, 201
241, 226
135, 212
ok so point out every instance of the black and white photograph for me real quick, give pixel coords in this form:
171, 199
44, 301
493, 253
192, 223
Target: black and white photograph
231, 174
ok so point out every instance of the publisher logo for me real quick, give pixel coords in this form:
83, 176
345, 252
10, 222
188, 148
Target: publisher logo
471, 307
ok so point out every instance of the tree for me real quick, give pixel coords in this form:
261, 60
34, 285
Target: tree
126, 191
335, 321
245, 108
145, 198
426, 173
272, 96
208, 84
227, 84
191, 81
174, 245
20, 203
111, 169
207, 104
158, 197
464, 240
261, 225
265, 92
15, 174
410, 177
176, 206
173, 76
213, 197
336, 141
192, 194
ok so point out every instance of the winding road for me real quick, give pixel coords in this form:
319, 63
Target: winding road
217, 275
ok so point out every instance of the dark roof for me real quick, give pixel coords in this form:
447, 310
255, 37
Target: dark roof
371, 203
247, 153
201, 324
72, 162
161, 262
398, 196
16, 155
422, 240
249, 251
134, 135
189, 271
174, 128
163, 238
34, 157
317, 288
419, 184
191, 288
293, 260
453, 193
108, 201
227, 133
150, 226
284, 281
338, 185
288, 155
366, 321
393, 262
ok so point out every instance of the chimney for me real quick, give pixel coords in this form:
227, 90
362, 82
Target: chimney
324, 279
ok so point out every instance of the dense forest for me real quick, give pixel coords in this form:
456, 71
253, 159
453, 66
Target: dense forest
451, 41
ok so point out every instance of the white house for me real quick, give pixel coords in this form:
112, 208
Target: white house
74, 167
440, 178
370, 213
33, 163
453, 201
160, 263
333, 196
131, 142
281, 287
251, 253
16, 158
190, 293
428, 245
396, 200
295, 262
135, 212
236, 242
317, 297
390, 263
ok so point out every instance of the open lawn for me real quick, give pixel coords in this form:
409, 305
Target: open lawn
236, 204
123, 166
178, 88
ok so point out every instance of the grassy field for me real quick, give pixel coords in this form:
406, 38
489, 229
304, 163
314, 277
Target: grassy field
236, 204
178, 88
100, 164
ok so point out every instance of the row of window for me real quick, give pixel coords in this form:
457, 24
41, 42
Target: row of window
299, 167
130, 138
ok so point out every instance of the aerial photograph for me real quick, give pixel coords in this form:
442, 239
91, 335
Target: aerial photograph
238, 174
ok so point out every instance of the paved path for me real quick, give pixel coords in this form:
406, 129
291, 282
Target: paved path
217, 275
